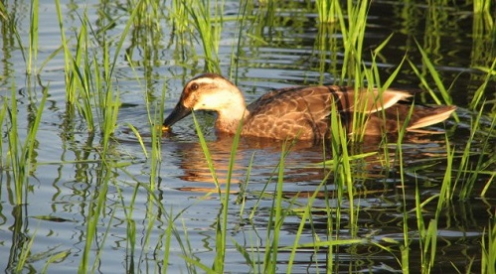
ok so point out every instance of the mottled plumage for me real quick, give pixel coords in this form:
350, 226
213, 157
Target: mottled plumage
302, 112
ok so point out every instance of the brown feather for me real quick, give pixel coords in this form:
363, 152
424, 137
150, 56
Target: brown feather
303, 112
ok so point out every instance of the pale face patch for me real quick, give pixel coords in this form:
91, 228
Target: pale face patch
216, 94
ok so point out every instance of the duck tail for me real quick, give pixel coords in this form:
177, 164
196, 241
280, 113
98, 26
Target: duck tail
431, 116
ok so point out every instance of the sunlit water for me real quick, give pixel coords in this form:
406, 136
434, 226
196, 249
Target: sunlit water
62, 186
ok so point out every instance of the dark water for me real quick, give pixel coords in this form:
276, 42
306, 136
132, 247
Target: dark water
280, 51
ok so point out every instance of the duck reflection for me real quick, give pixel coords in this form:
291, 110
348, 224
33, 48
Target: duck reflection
262, 156
306, 164
256, 160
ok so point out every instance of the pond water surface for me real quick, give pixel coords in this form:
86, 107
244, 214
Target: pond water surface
274, 53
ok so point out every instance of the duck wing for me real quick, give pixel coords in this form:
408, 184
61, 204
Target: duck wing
303, 112
291, 112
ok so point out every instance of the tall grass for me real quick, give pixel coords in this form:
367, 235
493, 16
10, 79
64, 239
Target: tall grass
19, 163
17, 148
95, 209
352, 24
207, 24
429, 70
355, 72
21, 152
89, 90
69, 61
342, 169
326, 10
483, 48
89, 73
33, 36
89, 77
489, 249
276, 218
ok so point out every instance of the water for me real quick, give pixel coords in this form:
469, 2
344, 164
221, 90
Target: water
68, 174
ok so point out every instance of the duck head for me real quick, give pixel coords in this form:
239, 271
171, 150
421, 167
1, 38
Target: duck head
210, 92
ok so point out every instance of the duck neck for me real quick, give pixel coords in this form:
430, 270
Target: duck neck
232, 115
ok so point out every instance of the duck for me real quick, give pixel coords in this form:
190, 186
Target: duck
303, 112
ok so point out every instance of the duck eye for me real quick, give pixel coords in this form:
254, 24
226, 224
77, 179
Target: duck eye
194, 86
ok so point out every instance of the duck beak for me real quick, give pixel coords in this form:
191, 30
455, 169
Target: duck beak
178, 113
